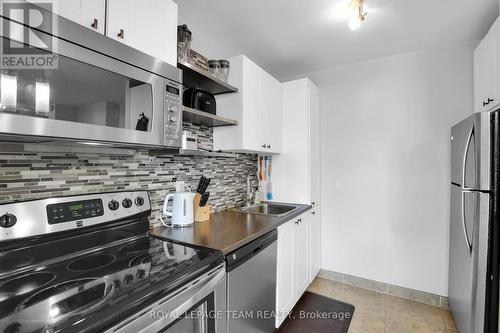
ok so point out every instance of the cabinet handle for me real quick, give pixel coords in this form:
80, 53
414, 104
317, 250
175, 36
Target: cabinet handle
121, 34
313, 203
488, 102
313, 213
95, 24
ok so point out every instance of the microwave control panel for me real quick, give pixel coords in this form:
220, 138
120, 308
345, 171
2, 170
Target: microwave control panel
173, 114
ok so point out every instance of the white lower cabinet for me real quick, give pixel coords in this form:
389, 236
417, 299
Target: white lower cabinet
314, 242
293, 273
285, 289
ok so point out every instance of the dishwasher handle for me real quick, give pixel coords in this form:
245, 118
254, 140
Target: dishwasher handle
247, 252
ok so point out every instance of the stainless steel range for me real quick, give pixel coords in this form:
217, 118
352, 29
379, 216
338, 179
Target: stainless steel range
86, 264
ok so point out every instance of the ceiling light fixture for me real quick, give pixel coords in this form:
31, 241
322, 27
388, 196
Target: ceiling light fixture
356, 6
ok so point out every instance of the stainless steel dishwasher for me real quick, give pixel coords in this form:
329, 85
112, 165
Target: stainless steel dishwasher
251, 286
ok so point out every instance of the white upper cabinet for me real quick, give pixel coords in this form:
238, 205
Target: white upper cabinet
274, 117
89, 13
147, 25
300, 158
487, 71
256, 107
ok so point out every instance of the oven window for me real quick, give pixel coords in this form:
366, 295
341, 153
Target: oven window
78, 92
199, 319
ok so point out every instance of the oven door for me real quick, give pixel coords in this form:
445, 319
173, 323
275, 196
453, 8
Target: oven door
85, 96
199, 307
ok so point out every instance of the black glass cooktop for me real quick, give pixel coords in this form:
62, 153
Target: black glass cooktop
79, 286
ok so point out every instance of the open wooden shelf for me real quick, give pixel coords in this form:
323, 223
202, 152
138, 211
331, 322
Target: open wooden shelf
206, 119
194, 77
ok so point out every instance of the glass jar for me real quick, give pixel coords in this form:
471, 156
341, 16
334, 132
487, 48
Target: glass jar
183, 43
214, 68
224, 70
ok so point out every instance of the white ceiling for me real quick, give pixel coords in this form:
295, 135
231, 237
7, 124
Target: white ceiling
293, 37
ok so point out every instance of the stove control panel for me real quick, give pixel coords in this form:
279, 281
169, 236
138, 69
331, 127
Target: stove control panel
72, 211
46, 216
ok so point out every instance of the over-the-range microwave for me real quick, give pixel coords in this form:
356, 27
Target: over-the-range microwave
60, 81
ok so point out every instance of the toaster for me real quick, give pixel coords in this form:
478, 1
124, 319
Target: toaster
199, 100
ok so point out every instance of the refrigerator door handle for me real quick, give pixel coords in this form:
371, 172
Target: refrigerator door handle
464, 159
464, 225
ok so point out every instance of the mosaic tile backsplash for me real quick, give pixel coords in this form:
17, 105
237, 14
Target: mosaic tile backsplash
25, 176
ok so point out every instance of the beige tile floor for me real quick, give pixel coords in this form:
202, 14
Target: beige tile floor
379, 313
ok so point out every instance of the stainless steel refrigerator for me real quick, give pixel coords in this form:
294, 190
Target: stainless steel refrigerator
474, 231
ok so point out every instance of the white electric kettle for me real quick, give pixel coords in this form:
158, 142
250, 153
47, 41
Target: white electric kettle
182, 208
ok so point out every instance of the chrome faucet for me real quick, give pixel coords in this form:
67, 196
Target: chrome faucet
250, 194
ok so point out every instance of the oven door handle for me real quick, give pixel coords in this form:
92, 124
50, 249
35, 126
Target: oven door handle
169, 309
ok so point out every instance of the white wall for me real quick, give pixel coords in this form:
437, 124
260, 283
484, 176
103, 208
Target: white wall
385, 164
208, 46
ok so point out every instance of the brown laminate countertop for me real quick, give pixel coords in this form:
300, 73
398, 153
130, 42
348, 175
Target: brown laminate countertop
227, 230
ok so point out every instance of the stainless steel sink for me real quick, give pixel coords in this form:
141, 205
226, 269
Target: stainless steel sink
270, 209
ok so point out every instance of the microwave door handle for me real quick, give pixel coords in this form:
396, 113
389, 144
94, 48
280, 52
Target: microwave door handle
464, 225
464, 159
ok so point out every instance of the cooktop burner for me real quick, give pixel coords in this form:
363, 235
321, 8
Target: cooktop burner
67, 298
14, 262
91, 262
139, 246
55, 290
26, 283
140, 259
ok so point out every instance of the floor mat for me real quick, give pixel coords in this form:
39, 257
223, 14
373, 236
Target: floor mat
316, 313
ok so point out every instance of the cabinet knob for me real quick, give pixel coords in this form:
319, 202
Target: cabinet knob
263, 146
121, 34
488, 102
313, 213
95, 24
313, 203
297, 222
268, 146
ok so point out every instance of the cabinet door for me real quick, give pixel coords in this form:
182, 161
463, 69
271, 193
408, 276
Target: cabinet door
314, 243
495, 70
294, 163
83, 12
149, 26
254, 136
314, 144
285, 292
170, 21
117, 21
301, 254
484, 76
274, 116
93, 14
